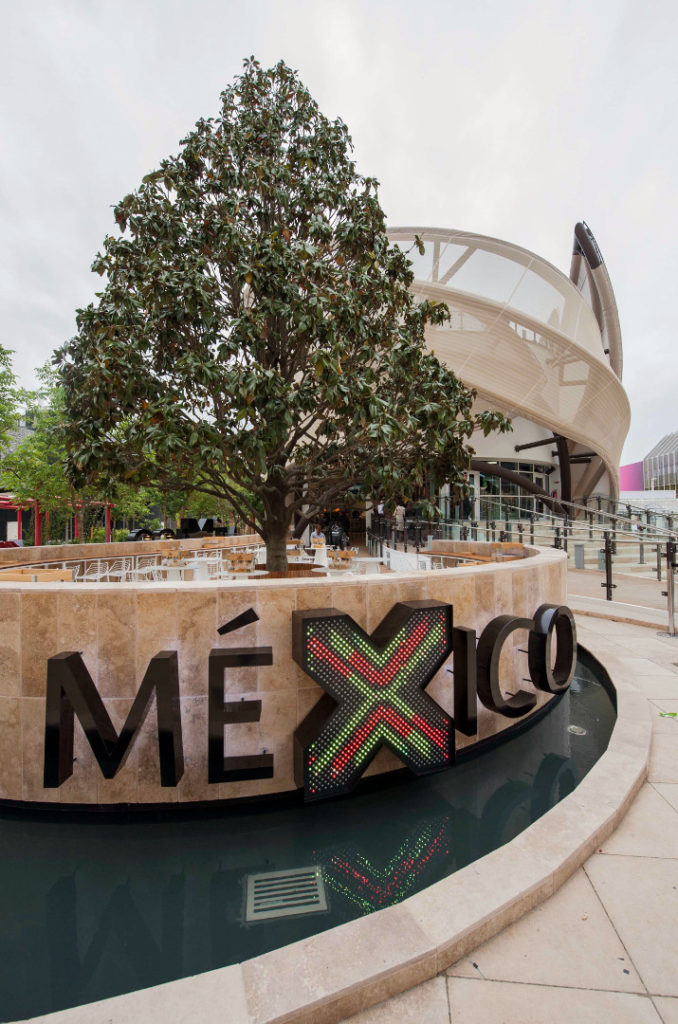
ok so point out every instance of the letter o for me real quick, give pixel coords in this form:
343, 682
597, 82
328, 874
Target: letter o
546, 676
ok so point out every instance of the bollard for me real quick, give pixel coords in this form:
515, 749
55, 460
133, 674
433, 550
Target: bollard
556, 538
659, 562
531, 527
641, 560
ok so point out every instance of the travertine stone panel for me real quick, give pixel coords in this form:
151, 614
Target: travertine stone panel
32, 753
77, 623
116, 642
119, 628
194, 784
38, 640
485, 599
197, 634
157, 613
520, 597
380, 599
10, 747
347, 597
321, 596
10, 644
274, 629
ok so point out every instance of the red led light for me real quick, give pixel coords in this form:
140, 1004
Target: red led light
379, 692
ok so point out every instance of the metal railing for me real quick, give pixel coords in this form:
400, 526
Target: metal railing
83, 567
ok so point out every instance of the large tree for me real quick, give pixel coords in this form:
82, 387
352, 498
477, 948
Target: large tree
256, 337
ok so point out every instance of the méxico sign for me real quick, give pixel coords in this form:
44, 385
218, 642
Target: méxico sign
374, 695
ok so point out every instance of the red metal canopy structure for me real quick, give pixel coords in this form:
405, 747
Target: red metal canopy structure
8, 501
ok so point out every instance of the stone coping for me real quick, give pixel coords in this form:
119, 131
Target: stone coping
17, 557
325, 978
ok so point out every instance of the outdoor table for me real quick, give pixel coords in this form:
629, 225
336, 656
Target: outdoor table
371, 564
331, 572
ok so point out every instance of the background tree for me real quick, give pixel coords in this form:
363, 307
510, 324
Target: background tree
8, 397
256, 339
36, 469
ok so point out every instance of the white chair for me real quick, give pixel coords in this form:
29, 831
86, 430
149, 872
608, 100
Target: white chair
147, 568
91, 572
118, 569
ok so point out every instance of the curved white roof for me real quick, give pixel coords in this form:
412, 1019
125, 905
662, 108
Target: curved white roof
522, 335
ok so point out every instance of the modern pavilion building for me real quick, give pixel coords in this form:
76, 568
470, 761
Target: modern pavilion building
543, 349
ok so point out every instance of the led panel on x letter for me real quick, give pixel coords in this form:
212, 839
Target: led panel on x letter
378, 684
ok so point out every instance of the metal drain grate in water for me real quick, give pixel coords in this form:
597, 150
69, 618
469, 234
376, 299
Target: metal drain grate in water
285, 893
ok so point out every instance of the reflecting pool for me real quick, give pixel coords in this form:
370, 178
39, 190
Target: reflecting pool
97, 904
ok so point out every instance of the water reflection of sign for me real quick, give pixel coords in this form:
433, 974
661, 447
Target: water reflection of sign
356, 877
378, 685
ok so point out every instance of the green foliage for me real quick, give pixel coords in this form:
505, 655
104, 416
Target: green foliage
255, 340
8, 397
37, 468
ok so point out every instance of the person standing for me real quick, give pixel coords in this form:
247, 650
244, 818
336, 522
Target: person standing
400, 520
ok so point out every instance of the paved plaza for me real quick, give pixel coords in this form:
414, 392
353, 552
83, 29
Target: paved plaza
604, 947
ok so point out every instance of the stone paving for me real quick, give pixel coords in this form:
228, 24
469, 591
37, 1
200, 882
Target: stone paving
604, 947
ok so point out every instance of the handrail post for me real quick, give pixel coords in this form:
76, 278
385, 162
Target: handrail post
659, 563
608, 584
670, 566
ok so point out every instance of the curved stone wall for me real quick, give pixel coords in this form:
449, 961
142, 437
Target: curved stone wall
119, 628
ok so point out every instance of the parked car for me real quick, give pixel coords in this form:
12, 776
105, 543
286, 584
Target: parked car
142, 534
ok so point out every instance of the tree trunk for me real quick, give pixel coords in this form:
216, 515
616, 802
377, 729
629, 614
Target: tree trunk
275, 535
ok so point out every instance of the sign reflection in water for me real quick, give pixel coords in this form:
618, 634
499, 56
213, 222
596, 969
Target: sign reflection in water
97, 906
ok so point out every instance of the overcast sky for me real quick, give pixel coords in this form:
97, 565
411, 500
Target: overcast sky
509, 119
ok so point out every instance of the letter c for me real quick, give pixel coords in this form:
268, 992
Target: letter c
491, 641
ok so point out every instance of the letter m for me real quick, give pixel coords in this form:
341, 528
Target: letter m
71, 692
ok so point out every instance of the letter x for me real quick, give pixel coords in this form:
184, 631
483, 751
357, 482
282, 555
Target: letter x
378, 686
